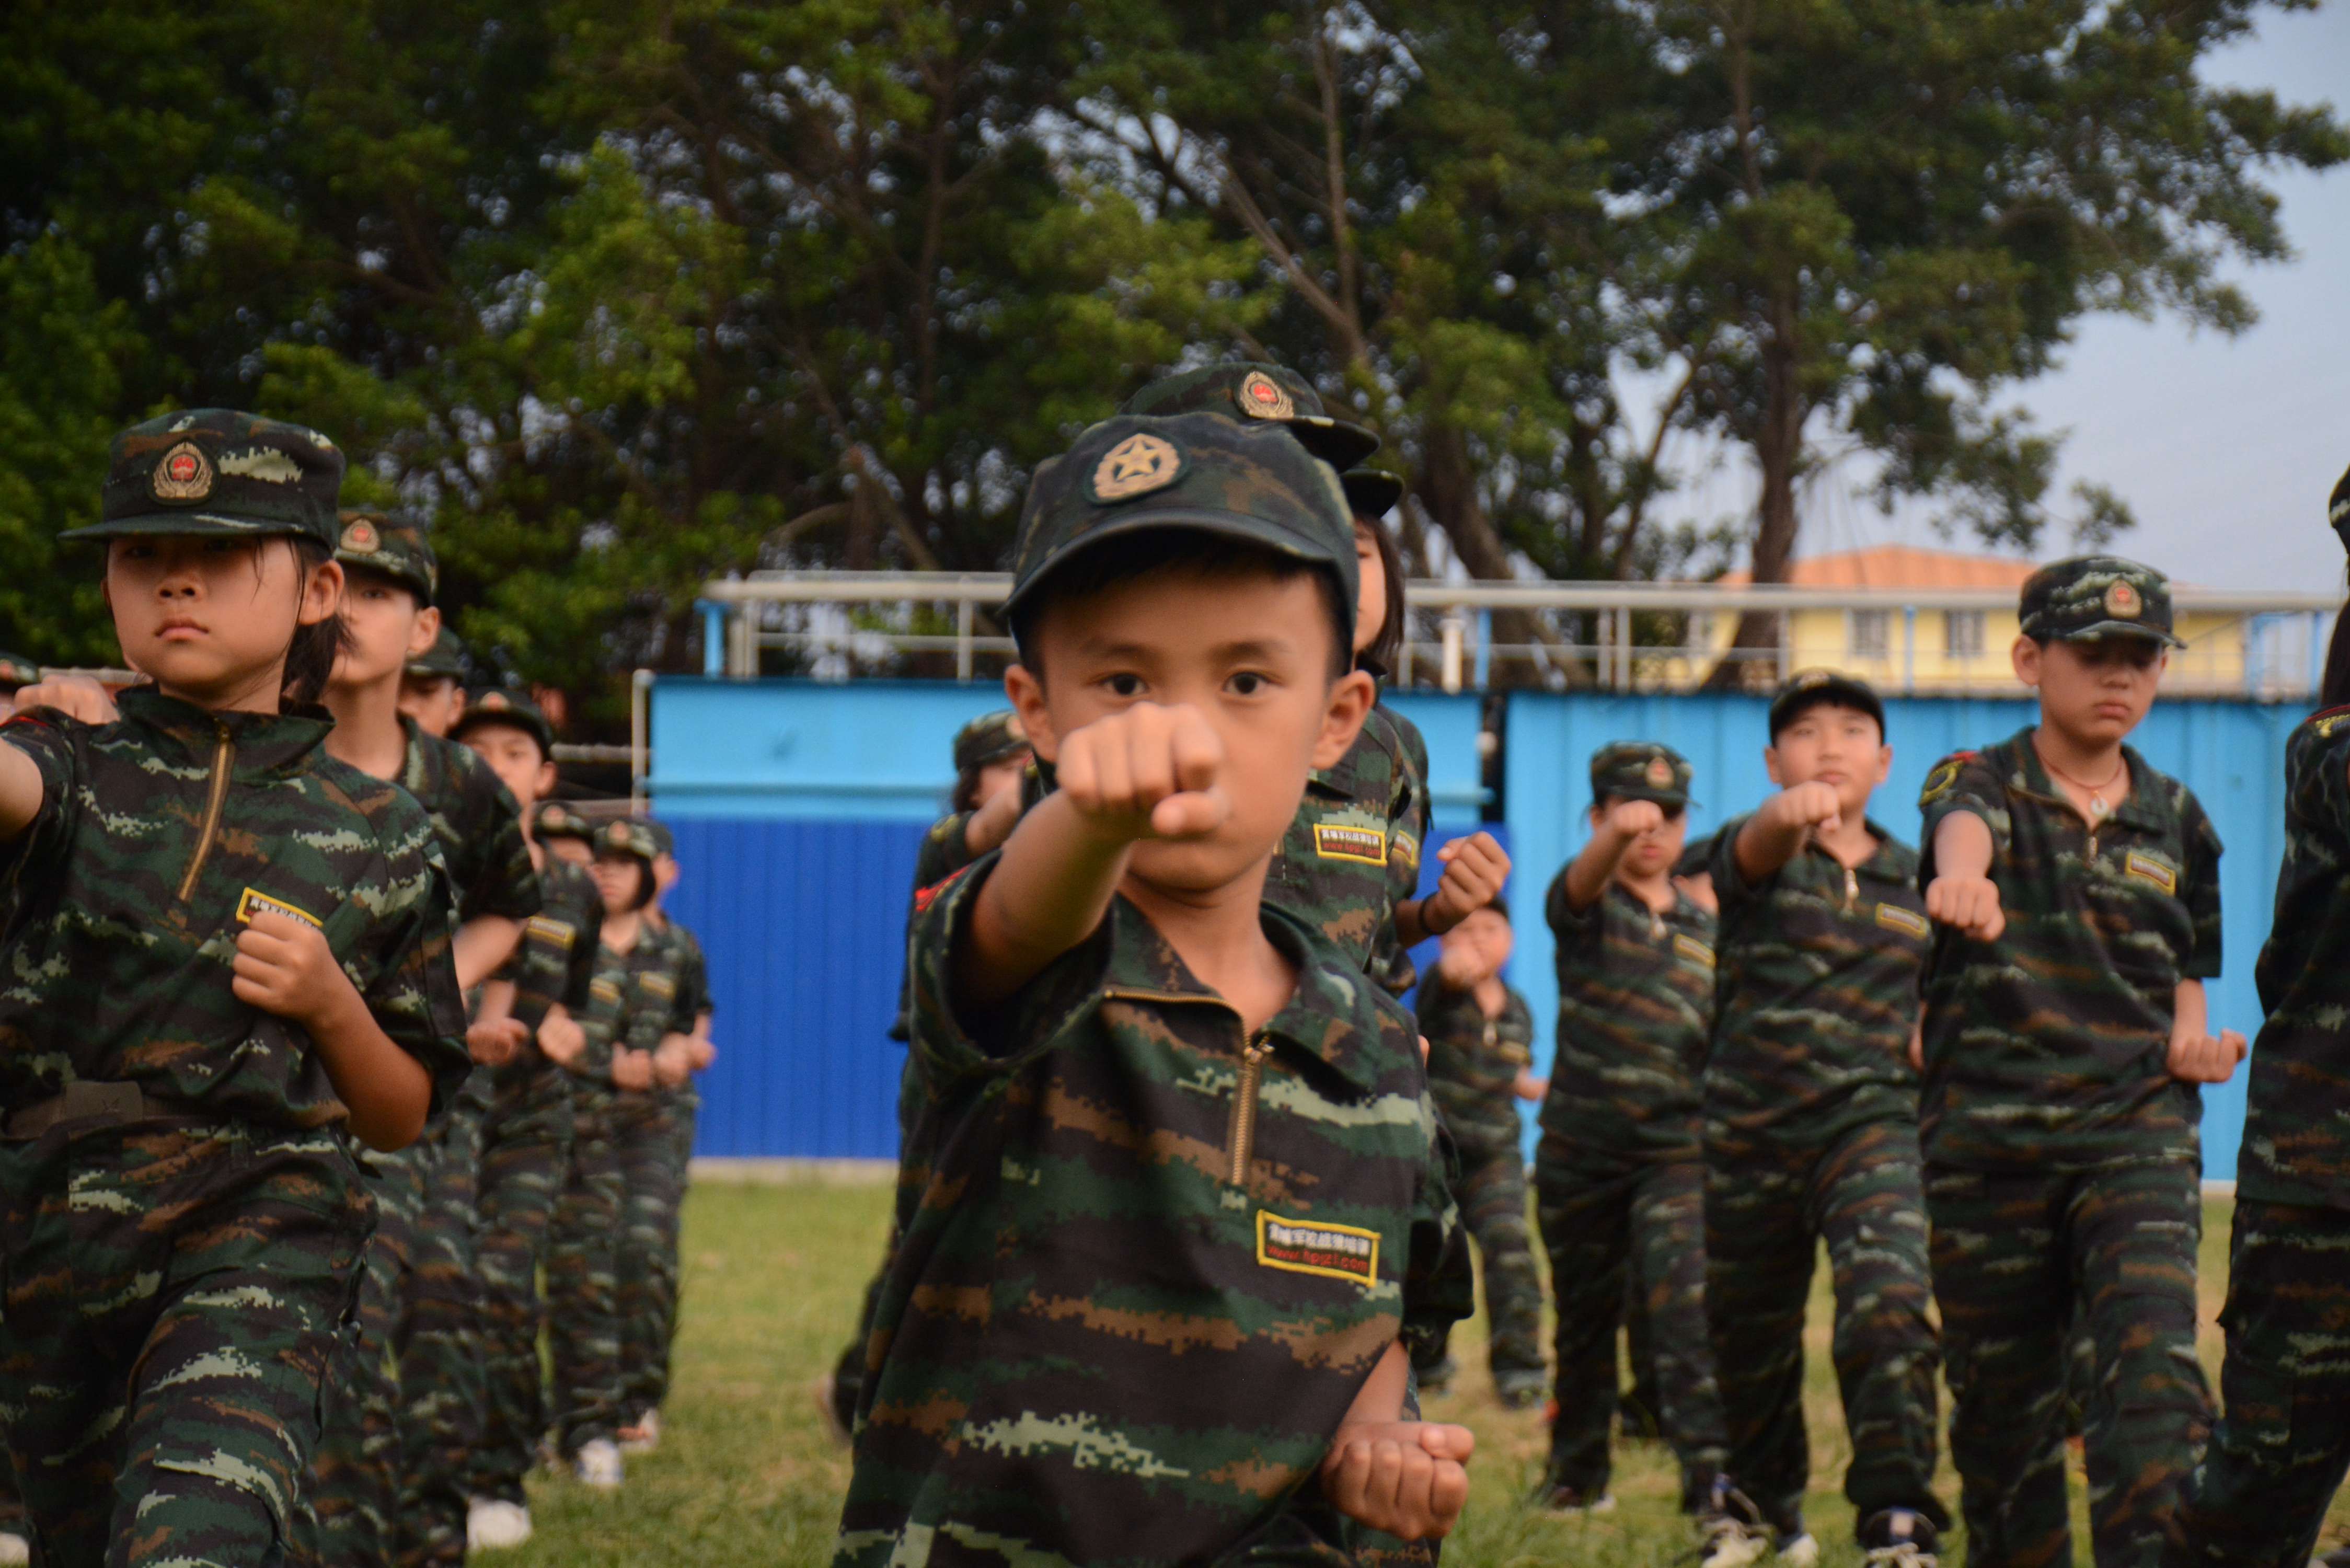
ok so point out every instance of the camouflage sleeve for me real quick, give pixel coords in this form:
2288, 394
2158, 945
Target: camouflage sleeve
944, 851
576, 996
1572, 926
1031, 1022
413, 991
1440, 1287
694, 981
1731, 888
1961, 781
24, 857
2203, 890
501, 880
2317, 775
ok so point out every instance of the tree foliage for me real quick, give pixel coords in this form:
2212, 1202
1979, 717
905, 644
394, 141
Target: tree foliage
625, 295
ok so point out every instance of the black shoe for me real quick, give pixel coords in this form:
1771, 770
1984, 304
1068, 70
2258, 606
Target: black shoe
1569, 1499
1520, 1390
1900, 1538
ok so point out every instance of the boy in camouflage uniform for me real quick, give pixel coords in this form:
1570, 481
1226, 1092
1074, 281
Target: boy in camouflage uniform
1480, 1039
527, 1139
1169, 1120
432, 688
1811, 1128
2065, 1036
1618, 1179
2277, 1456
225, 942
424, 1254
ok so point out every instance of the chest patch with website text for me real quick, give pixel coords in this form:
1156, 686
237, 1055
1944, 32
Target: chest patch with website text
1894, 918
1304, 1247
253, 901
605, 991
2147, 868
1693, 950
660, 984
1338, 841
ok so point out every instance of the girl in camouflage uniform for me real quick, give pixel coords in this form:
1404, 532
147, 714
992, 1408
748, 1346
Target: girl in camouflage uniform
232, 963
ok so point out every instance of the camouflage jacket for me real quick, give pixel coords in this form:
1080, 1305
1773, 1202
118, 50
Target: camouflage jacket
1816, 995
478, 824
692, 972
2297, 1128
1635, 1011
158, 835
2047, 1048
943, 853
552, 964
1154, 1260
1473, 1063
1352, 851
632, 1003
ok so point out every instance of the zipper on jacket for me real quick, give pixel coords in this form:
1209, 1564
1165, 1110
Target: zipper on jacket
1851, 888
224, 753
1242, 1141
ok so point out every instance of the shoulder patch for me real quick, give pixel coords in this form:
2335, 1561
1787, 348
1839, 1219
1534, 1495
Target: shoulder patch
1690, 948
2331, 720
1406, 848
547, 928
1945, 776
2147, 868
1309, 1247
1894, 918
925, 896
1342, 841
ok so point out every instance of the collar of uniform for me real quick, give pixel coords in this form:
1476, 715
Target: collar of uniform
268, 744
416, 764
1884, 863
2144, 807
1679, 915
1331, 1014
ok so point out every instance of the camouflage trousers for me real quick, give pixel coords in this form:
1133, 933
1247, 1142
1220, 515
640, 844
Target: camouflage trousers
1597, 1225
11, 1498
1492, 1194
161, 1381
442, 1391
525, 1153
350, 1512
2014, 1256
1767, 1210
644, 1263
2279, 1452
583, 1324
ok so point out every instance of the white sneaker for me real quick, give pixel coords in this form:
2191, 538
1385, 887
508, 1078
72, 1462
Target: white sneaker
491, 1524
15, 1550
598, 1464
647, 1437
1802, 1551
1728, 1544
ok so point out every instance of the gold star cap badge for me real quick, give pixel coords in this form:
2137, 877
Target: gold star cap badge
184, 474
2123, 602
1135, 466
1262, 398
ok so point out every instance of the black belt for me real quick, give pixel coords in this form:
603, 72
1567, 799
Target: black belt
97, 1104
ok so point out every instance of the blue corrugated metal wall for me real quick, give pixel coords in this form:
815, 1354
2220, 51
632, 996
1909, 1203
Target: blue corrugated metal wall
798, 807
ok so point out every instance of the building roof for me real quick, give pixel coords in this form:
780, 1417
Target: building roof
1902, 567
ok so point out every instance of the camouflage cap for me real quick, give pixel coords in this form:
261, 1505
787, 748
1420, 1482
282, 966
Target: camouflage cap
1204, 473
664, 841
2337, 508
17, 670
989, 738
1640, 770
1256, 391
2096, 596
1370, 493
627, 836
1809, 689
398, 550
445, 657
497, 705
558, 819
216, 471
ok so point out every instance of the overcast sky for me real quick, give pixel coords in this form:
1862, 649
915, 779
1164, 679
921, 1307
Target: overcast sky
2225, 448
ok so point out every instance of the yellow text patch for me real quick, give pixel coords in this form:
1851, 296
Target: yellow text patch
2146, 867
1693, 950
1338, 841
1894, 918
1307, 1247
547, 928
253, 901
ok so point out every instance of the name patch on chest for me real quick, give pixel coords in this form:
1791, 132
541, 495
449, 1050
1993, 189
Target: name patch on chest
1910, 922
547, 928
605, 991
253, 901
661, 985
1334, 1251
2147, 868
1692, 949
1338, 841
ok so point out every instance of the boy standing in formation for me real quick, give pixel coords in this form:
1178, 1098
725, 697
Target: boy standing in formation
1184, 1208
1618, 1174
1811, 1128
2064, 1035
1479, 1038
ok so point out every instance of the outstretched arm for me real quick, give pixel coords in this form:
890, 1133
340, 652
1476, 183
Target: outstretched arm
1774, 834
1963, 894
1589, 873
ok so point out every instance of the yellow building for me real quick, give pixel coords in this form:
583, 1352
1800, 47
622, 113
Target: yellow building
1898, 647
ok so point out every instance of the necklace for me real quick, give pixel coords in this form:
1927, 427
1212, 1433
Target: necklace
2099, 809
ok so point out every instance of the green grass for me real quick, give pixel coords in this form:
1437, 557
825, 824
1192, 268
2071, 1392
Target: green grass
746, 1475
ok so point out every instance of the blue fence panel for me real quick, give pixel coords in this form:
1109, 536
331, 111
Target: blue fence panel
804, 923
2231, 753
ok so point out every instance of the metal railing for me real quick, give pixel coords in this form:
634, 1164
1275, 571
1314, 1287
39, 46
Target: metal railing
1615, 637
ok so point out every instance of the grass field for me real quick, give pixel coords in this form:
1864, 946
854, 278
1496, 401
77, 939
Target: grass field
745, 1474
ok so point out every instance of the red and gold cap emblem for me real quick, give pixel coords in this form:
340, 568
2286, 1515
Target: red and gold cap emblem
1262, 398
2123, 602
184, 474
361, 538
1660, 773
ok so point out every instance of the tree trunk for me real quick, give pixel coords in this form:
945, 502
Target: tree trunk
1778, 450
1448, 488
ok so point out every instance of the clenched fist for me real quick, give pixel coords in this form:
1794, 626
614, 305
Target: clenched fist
1475, 868
1813, 805
1630, 818
560, 1038
493, 1043
1147, 772
2199, 1059
1967, 904
283, 966
1409, 1479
